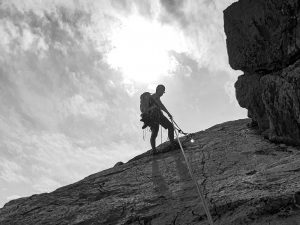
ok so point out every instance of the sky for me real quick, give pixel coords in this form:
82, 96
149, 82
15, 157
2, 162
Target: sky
72, 72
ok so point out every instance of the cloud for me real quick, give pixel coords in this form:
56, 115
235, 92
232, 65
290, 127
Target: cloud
9, 198
11, 172
62, 102
230, 89
49, 160
77, 105
200, 21
175, 9
202, 24
45, 184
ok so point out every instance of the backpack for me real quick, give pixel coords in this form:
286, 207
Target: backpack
145, 102
149, 116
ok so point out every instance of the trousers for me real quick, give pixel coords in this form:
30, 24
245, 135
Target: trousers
165, 123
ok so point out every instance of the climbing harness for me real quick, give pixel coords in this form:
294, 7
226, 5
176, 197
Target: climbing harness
177, 129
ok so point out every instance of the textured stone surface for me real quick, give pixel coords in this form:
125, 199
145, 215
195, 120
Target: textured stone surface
273, 101
262, 34
281, 97
263, 40
248, 94
246, 180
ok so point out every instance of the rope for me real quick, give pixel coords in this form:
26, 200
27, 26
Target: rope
160, 134
193, 178
144, 135
178, 128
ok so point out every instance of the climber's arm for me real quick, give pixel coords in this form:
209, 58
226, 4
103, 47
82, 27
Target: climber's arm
162, 107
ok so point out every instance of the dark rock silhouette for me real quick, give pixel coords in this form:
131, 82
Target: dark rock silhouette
263, 40
246, 179
262, 35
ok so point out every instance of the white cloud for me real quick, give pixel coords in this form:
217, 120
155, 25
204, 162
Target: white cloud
230, 90
38, 6
202, 23
229, 87
11, 172
67, 113
45, 184
62, 159
8, 32
77, 105
9, 198
140, 49
27, 39
16, 39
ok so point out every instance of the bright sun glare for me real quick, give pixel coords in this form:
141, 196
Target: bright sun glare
141, 50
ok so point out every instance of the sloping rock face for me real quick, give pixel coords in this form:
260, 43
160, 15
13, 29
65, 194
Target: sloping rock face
246, 179
263, 40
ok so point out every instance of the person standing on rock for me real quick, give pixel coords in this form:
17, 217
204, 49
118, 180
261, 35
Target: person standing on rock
158, 118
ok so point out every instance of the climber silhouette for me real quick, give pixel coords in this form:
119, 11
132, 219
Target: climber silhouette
158, 117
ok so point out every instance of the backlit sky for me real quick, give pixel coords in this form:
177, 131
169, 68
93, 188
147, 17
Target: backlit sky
72, 71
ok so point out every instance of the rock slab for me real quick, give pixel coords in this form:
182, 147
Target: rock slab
246, 179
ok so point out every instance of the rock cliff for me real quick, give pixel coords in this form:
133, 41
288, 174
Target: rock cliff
263, 40
246, 179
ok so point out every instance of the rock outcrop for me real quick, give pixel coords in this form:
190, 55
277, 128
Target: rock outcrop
246, 179
263, 40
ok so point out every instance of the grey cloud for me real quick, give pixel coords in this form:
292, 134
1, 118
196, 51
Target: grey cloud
36, 84
122, 6
181, 12
41, 125
61, 26
143, 7
175, 9
209, 2
202, 25
11, 172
